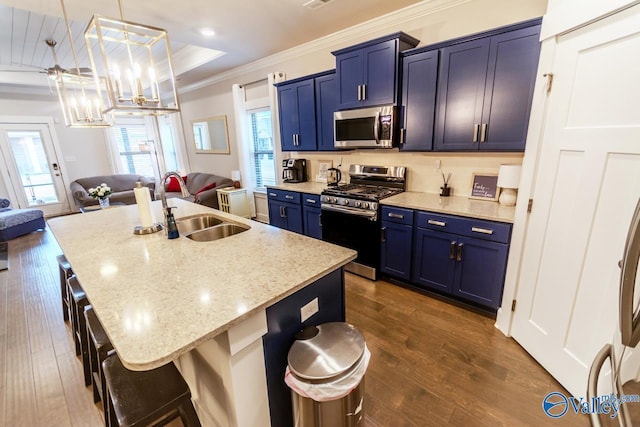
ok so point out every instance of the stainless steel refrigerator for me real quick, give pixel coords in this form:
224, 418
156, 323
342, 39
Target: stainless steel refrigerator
614, 379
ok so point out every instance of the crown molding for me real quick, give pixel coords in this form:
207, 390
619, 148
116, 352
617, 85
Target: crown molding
337, 40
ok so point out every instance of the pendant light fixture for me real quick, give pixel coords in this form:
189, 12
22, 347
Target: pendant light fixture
78, 93
135, 62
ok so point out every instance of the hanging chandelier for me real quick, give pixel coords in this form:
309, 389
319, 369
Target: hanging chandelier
79, 94
134, 60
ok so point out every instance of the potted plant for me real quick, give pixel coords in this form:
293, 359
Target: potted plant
102, 193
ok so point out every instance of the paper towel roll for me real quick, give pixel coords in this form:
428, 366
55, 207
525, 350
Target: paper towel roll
143, 200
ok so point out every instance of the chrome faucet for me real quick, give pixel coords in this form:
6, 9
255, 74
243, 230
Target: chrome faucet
163, 195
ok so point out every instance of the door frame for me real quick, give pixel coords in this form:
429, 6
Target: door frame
37, 120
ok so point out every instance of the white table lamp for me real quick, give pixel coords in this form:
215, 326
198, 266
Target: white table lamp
235, 177
508, 180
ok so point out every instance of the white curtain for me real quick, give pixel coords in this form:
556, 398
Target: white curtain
275, 118
242, 131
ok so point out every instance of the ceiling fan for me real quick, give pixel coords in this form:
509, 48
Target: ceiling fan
56, 70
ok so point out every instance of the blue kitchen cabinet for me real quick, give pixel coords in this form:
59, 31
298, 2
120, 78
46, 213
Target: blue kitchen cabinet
368, 74
462, 257
396, 236
326, 105
419, 82
285, 210
485, 89
296, 103
312, 215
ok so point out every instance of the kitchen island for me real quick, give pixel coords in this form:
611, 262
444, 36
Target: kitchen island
201, 305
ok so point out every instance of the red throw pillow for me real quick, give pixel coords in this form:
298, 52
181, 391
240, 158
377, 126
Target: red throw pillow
205, 188
173, 186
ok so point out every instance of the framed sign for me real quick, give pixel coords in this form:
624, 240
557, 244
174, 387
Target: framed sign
484, 186
323, 167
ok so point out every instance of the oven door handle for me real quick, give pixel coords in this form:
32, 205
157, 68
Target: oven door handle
371, 215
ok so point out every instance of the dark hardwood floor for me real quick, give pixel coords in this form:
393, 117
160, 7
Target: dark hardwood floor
433, 364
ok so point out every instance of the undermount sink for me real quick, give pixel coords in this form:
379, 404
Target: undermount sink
189, 224
217, 232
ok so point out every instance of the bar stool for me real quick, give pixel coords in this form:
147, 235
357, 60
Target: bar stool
144, 398
99, 349
65, 273
79, 301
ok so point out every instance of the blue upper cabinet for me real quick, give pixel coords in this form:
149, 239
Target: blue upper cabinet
419, 81
485, 88
367, 74
326, 102
296, 103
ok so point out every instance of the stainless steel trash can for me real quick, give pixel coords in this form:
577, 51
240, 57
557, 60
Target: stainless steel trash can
328, 360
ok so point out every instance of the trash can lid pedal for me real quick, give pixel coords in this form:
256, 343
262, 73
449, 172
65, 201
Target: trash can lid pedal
324, 352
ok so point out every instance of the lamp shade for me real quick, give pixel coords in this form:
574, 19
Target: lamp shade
235, 175
509, 176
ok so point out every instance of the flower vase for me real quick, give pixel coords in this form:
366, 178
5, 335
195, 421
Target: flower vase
104, 202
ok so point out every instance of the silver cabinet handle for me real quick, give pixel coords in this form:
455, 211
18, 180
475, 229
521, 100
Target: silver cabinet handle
438, 223
483, 132
294, 139
475, 132
482, 230
320, 220
359, 92
401, 136
284, 212
288, 197
273, 194
311, 201
383, 234
364, 92
395, 215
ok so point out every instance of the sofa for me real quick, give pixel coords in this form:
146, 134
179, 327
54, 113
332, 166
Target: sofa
202, 187
122, 186
17, 222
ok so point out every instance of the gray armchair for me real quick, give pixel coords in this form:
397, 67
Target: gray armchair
121, 188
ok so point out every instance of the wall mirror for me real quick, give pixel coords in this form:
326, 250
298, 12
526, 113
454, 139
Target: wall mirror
211, 135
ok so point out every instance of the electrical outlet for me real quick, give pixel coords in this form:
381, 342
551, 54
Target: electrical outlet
309, 309
438, 164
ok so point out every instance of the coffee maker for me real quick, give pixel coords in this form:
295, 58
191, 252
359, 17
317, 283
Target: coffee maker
294, 170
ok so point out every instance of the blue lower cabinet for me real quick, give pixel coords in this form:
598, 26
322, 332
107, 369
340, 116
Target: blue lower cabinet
312, 222
286, 215
480, 271
434, 264
454, 263
395, 254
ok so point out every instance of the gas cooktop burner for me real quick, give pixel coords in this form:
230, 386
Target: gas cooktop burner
362, 191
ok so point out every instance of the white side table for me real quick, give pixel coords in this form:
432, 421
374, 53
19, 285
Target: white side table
234, 201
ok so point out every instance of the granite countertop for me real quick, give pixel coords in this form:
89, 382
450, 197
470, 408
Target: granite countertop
159, 298
309, 187
462, 206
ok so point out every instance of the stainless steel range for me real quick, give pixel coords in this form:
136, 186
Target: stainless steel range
351, 213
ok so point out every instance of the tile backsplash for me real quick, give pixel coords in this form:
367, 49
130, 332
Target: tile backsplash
422, 172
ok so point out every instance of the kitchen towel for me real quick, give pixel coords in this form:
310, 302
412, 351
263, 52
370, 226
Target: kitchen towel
143, 200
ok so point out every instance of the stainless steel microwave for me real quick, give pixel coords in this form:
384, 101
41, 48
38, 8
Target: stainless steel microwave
365, 127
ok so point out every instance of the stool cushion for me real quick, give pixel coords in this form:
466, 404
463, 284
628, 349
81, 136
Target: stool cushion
137, 395
16, 222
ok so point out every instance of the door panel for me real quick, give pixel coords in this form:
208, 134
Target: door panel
586, 187
419, 81
380, 73
349, 75
434, 261
32, 168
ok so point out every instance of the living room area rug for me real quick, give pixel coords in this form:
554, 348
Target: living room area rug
4, 256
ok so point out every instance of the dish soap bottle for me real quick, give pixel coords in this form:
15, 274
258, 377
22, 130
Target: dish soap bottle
172, 228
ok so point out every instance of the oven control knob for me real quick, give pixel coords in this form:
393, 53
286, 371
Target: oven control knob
365, 205
345, 202
334, 200
325, 199
357, 204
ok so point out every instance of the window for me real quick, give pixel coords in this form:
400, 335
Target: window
134, 148
262, 153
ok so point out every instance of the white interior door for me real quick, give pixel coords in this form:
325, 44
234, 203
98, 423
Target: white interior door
586, 188
31, 168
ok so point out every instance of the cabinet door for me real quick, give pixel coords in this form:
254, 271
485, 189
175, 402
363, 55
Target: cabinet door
419, 81
380, 73
276, 212
480, 270
513, 61
288, 110
312, 222
463, 71
434, 259
293, 217
349, 74
326, 105
395, 254
296, 103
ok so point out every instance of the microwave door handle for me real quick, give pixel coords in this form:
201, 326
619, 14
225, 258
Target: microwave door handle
629, 324
376, 128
